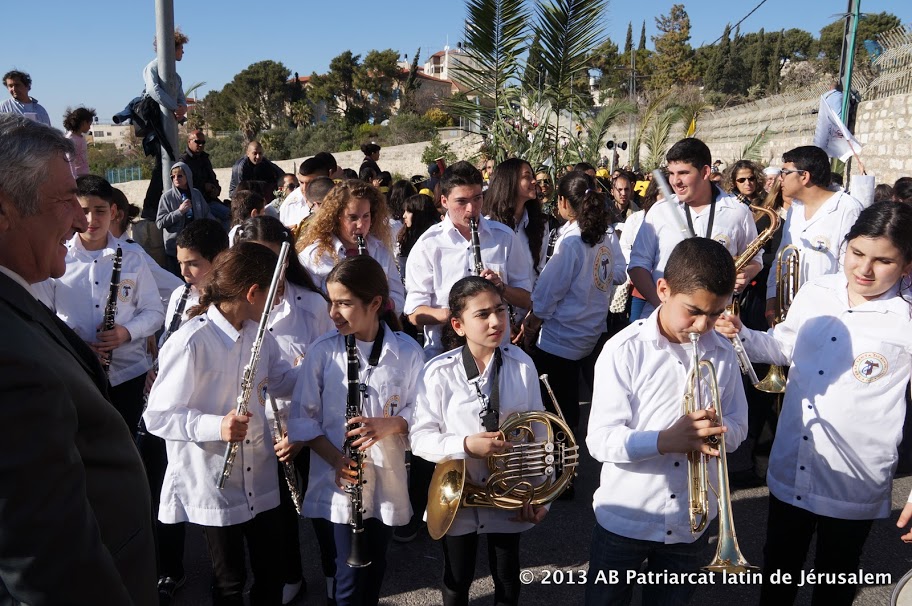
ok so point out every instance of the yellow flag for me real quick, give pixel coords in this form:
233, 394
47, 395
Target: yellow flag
692, 128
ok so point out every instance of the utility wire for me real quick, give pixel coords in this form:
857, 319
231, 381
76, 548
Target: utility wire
743, 19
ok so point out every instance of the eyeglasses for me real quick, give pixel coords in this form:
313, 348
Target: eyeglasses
788, 171
745, 179
198, 142
290, 186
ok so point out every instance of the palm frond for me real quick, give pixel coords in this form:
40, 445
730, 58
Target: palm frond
657, 137
753, 150
188, 92
653, 108
587, 150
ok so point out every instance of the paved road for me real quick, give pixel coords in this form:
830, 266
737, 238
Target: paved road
561, 545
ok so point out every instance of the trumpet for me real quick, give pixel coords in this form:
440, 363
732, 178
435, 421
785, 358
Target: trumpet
728, 556
788, 280
535, 471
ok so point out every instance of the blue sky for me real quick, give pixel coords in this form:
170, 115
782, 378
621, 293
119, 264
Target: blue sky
93, 52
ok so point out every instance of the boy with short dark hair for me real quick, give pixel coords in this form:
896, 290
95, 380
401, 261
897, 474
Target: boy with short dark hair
638, 433
80, 297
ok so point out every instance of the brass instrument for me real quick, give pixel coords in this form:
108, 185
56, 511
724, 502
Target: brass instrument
476, 247
741, 262
728, 556
107, 321
250, 369
535, 471
788, 280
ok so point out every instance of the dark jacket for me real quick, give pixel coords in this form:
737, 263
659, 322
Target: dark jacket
171, 220
75, 509
203, 174
245, 170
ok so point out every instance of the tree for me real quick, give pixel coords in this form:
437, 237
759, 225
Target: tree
253, 101
733, 76
774, 66
337, 88
642, 45
673, 59
628, 44
714, 75
407, 102
605, 58
759, 59
377, 78
869, 26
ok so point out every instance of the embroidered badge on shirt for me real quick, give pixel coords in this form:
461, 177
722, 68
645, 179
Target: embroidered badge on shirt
298, 360
602, 269
125, 290
820, 243
723, 240
262, 388
389, 409
869, 367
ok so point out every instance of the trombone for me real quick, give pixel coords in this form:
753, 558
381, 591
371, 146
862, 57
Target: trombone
788, 280
728, 556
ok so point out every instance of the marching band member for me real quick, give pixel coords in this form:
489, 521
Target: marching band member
570, 300
297, 321
80, 297
698, 208
637, 432
848, 339
388, 364
351, 209
192, 406
817, 220
444, 254
447, 423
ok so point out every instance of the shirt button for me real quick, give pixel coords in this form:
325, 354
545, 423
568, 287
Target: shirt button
798, 498
96, 261
810, 407
97, 306
248, 441
668, 532
482, 526
251, 509
96, 284
742, 339
249, 494
270, 330
677, 464
819, 372
248, 469
833, 339
801, 468
639, 323
672, 496
299, 298
805, 437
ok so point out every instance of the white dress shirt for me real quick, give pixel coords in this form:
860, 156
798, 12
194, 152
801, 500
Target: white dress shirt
294, 208
79, 298
666, 225
319, 267
446, 413
629, 230
639, 387
841, 423
318, 408
520, 231
819, 239
573, 292
300, 318
442, 256
165, 281
200, 371
192, 301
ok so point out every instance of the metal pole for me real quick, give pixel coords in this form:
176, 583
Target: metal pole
164, 42
848, 56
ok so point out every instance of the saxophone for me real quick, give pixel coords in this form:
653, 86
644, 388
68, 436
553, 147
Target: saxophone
107, 322
250, 369
741, 262
353, 408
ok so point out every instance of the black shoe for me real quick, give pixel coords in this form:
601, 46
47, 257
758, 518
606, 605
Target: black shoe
166, 588
408, 533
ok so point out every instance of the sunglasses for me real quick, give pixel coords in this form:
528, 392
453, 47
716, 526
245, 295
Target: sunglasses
198, 142
745, 180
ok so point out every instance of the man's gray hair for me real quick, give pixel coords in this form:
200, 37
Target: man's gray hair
26, 149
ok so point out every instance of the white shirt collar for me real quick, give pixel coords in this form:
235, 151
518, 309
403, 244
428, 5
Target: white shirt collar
229, 333
17, 279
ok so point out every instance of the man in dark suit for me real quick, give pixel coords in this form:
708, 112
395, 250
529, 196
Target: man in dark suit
75, 518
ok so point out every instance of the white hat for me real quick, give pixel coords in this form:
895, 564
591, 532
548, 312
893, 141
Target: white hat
771, 171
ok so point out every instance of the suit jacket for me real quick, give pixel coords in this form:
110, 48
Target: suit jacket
75, 513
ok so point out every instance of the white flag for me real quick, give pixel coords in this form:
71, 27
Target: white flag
832, 136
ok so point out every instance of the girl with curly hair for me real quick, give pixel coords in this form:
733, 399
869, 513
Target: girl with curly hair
353, 208
745, 180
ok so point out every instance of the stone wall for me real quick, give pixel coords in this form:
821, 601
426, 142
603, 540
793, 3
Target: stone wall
402, 159
883, 126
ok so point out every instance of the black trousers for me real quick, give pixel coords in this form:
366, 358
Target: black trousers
169, 538
564, 378
226, 550
788, 537
292, 571
420, 473
459, 567
128, 399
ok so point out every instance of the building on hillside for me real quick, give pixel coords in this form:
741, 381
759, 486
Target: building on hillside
120, 135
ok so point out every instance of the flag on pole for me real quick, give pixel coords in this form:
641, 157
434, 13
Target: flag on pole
692, 128
832, 135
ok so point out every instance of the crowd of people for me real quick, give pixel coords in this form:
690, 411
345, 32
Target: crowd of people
442, 294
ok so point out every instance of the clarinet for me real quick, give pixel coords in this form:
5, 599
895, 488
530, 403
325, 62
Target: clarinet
288, 468
552, 241
107, 322
250, 369
476, 246
353, 408
362, 247
172, 326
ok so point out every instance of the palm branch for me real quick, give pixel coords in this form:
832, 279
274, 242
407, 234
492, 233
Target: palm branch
754, 148
657, 136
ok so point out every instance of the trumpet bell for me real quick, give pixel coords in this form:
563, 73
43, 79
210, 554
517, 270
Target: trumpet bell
448, 484
773, 382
